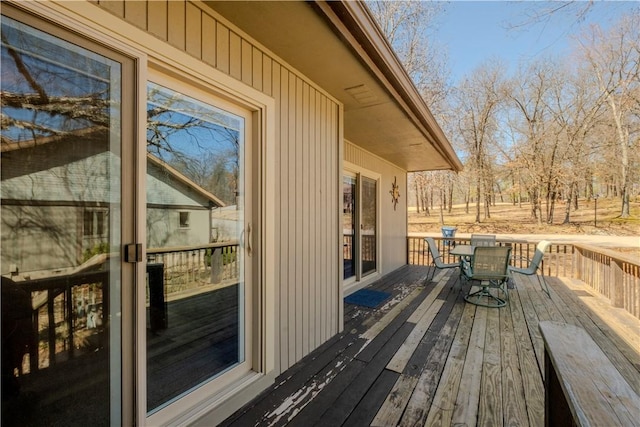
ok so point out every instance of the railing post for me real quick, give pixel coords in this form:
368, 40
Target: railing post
617, 284
216, 266
34, 354
52, 327
157, 304
577, 264
69, 308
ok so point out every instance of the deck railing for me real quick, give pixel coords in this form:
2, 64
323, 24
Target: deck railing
610, 273
70, 312
63, 305
67, 314
189, 266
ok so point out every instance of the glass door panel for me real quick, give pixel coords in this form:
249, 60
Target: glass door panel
196, 301
369, 224
61, 236
349, 225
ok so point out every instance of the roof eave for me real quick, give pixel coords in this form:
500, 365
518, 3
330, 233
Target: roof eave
362, 29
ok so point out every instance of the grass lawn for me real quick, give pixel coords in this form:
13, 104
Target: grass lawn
507, 218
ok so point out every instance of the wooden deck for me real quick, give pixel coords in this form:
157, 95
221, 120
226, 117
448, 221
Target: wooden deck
425, 357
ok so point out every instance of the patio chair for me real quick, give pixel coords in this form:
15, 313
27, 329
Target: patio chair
436, 259
483, 240
535, 264
489, 266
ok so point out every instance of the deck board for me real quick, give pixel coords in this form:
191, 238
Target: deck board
350, 397
426, 357
442, 405
490, 407
513, 404
430, 358
531, 375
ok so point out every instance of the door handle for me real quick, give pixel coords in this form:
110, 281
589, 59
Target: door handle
133, 252
248, 237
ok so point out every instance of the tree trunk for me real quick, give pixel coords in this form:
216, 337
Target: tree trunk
567, 208
532, 200
500, 193
487, 206
552, 207
623, 138
431, 198
441, 207
519, 192
478, 203
467, 200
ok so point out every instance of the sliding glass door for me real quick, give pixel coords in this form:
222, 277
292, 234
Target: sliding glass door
369, 225
100, 327
198, 243
360, 225
349, 218
64, 124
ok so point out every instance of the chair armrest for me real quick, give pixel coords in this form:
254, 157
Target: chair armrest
525, 270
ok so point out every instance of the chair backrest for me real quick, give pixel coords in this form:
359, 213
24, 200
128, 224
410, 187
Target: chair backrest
491, 261
541, 247
435, 252
483, 240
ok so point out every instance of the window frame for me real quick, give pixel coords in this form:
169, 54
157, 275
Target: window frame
150, 54
97, 219
184, 220
49, 19
190, 87
360, 280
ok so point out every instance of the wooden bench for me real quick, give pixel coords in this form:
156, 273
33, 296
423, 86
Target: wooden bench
582, 387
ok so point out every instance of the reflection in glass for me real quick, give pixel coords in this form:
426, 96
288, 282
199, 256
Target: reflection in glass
195, 218
60, 230
349, 225
369, 225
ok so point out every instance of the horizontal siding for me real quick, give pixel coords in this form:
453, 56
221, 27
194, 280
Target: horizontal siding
307, 164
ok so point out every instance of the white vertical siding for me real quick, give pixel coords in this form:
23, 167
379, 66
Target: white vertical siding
307, 164
393, 242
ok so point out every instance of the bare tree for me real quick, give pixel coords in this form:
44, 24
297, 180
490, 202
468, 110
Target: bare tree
537, 147
407, 26
614, 60
478, 100
575, 110
573, 11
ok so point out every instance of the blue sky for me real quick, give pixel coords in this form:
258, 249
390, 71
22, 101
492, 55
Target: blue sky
474, 31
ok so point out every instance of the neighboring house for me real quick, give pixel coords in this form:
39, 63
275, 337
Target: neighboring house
56, 204
178, 209
319, 123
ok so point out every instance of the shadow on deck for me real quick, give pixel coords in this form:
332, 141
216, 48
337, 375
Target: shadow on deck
426, 357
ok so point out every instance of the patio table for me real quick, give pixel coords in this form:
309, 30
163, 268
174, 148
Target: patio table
464, 254
462, 251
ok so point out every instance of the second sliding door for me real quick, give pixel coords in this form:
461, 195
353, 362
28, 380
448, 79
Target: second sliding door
360, 226
368, 224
